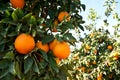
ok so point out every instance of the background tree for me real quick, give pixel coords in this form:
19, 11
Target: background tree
98, 56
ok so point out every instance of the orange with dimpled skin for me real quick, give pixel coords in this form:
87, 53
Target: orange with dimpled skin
17, 3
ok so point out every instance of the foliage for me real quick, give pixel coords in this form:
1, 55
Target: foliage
98, 57
94, 57
37, 65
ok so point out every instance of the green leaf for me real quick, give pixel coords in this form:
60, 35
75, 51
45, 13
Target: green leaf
35, 67
12, 34
62, 75
17, 69
4, 64
26, 17
28, 64
40, 20
12, 68
8, 77
2, 49
69, 37
7, 13
14, 17
81, 27
19, 13
44, 55
10, 55
3, 41
32, 20
47, 39
52, 63
7, 20
3, 73
34, 32
83, 7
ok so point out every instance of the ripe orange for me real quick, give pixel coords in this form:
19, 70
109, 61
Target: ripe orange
82, 69
52, 44
87, 47
24, 43
61, 50
94, 62
43, 47
17, 3
92, 34
115, 58
99, 77
63, 15
54, 26
88, 63
95, 51
109, 47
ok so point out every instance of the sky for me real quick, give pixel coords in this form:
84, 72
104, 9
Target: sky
100, 9
98, 6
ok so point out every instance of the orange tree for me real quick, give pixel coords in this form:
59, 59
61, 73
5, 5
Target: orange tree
98, 56
97, 59
26, 23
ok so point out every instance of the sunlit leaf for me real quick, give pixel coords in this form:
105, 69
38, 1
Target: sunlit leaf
10, 55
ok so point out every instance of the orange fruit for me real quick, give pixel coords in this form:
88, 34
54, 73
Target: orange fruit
17, 3
87, 47
88, 63
92, 34
42, 46
82, 69
115, 58
24, 43
89, 71
61, 50
94, 62
54, 26
101, 40
99, 77
43, 24
110, 76
55, 22
109, 47
63, 15
95, 51
52, 44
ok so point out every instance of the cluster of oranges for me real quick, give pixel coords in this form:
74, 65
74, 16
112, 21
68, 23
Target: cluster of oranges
63, 15
25, 43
